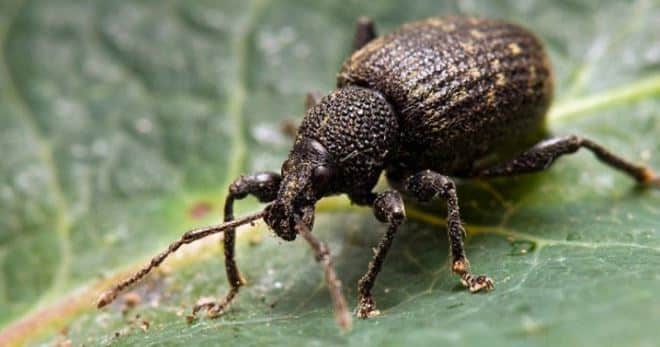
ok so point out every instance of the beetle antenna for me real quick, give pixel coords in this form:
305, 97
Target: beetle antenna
188, 237
342, 315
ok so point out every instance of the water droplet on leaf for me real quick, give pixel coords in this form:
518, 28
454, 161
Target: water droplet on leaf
522, 247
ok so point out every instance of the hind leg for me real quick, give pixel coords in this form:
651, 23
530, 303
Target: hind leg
544, 154
428, 185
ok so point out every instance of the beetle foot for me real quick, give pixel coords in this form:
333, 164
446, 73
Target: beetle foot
477, 283
366, 308
216, 308
474, 283
213, 307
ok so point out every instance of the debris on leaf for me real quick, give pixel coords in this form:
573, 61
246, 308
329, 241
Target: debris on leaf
63, 339
200, 209
139, 323
255, 239
131, 299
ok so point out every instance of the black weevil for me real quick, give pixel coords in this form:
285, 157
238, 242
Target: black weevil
451, 96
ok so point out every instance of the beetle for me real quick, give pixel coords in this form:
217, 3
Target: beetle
436, 99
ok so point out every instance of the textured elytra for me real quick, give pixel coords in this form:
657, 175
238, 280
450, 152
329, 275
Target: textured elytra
465, 89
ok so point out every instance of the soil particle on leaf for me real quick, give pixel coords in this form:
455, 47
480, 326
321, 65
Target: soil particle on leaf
144, 325
255, 239
200, 209
164, 270
131, 300
64, 343
63, 339
137, 322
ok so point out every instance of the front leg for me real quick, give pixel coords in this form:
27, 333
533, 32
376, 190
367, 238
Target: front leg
388, 208
264, 187
365, 31
428, 185
289, 127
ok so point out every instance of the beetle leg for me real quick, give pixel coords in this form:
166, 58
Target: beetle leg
264, 187
388, 208
543, 155
289, 126
312, 98
365, 32
428, 185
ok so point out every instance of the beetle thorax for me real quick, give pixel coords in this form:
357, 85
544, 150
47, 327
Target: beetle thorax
341, 147
358, 128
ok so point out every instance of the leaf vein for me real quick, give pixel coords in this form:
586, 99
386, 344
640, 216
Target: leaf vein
63, 222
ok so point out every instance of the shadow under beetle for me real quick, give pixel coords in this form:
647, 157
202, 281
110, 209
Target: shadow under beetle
450, 96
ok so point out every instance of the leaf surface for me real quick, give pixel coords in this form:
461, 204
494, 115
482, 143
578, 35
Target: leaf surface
122, 123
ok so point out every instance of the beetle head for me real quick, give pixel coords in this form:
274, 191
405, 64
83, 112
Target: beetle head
307, 176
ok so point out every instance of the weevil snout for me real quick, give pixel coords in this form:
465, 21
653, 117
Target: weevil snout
282, 216
282, 220
306, 176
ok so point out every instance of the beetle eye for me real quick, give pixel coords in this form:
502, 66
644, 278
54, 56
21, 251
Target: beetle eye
321, 176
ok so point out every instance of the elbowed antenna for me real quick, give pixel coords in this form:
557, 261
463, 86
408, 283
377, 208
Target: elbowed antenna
189, 237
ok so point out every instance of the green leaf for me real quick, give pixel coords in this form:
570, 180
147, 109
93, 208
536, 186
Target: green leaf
123, 122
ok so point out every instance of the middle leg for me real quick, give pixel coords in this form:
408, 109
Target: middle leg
428, 185
388, 208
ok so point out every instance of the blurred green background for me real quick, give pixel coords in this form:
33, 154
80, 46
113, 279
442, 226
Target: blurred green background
122, 123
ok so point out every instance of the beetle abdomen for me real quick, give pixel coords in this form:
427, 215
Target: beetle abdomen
464, 88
